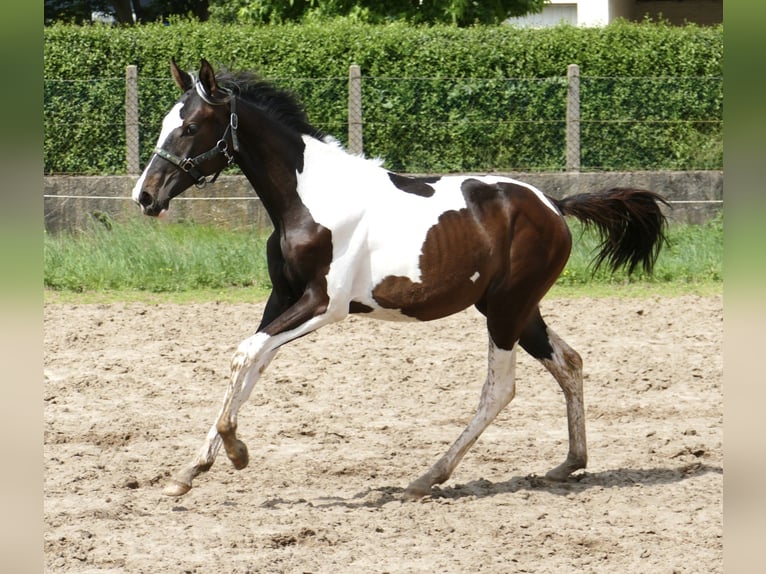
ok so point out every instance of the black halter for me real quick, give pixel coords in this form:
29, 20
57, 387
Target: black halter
190, 165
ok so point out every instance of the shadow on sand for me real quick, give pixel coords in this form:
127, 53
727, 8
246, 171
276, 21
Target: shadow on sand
578, 483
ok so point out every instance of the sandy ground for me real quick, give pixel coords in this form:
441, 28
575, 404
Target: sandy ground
342, 421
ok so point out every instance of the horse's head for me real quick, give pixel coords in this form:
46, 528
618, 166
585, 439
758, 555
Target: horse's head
198, 139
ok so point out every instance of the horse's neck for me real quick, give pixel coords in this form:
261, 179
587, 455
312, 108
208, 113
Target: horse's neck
274, 159
327, 165
270, 157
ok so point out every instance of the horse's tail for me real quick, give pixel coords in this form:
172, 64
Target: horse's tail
630, 222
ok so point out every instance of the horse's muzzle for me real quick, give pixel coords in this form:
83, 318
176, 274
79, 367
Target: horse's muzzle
151, 207
145, 199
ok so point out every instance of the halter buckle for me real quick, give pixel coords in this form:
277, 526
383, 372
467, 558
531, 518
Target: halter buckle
187, 164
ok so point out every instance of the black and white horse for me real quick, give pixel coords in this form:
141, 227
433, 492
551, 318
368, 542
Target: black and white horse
352, 237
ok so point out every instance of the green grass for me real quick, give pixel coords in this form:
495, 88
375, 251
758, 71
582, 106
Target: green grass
151, 260
149, 256
693, 255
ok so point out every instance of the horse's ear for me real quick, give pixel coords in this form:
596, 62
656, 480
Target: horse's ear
207, 77
183, 79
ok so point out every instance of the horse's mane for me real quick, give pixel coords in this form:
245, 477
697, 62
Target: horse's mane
279, 103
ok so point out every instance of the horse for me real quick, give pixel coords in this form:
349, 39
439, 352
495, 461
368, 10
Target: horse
350, 236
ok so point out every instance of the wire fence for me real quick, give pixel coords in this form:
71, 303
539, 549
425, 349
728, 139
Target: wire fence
425, 125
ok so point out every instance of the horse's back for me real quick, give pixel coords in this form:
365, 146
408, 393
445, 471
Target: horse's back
436, 252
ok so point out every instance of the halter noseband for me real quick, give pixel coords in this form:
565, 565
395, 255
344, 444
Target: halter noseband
190, 165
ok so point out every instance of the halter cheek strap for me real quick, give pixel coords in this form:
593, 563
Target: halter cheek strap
190, 165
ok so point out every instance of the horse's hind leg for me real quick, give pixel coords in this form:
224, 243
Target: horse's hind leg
565, 364
499, 388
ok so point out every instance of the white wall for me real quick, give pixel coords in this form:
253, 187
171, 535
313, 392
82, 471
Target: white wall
552, 14
593, 13
576, 13
601, 12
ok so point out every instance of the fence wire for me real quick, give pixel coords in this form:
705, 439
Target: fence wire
424, 125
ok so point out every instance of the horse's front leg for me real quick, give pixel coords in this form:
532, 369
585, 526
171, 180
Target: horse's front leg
251, 358
182, 482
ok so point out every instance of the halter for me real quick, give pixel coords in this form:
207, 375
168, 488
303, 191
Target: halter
189, 164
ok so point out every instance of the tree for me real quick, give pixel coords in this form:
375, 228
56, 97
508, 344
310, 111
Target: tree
123, 11
455, 12
73, 11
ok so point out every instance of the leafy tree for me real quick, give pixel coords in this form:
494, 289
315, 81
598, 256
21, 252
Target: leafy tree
454, 12
73, 11
79, 11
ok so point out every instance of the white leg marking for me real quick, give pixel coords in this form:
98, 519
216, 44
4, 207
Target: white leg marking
252, 357
243, 379
499, 389
566, 368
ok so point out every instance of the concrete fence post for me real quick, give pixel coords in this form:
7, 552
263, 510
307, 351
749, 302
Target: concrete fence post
355, 142
131, 120
573, 118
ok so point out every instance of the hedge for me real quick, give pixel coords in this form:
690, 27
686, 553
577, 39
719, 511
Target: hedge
435, 99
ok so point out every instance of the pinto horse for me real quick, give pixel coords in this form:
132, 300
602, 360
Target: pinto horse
352, 237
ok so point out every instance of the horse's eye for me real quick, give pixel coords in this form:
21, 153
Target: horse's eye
191, 129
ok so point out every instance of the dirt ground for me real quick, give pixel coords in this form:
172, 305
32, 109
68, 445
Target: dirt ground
342, 421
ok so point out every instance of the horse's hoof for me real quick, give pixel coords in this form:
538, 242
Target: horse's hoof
556, 475
238, 454
413, 495
176, 488
561, 472
415, 491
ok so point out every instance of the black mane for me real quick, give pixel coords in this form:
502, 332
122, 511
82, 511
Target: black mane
279, 103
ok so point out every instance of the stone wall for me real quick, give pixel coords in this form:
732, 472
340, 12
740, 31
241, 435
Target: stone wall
72, 202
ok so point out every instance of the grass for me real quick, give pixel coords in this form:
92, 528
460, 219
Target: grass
694, 254
149, 260
148, 256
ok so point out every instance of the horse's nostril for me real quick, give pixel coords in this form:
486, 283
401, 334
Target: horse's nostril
144, 199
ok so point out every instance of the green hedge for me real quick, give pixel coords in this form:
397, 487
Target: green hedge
435, 99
